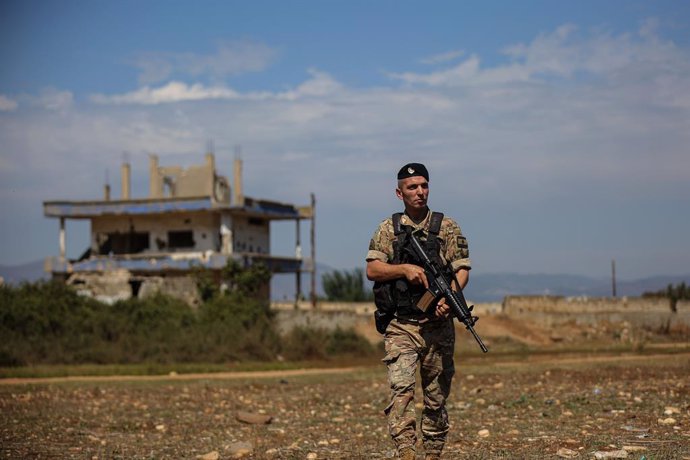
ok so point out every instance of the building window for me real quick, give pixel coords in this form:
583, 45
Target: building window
125, 243
181, 239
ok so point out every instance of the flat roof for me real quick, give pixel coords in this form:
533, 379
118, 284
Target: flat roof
159, 264
89, 209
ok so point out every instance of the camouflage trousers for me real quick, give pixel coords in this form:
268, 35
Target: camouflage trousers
429, 345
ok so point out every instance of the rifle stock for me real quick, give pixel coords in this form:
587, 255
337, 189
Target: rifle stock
440, 286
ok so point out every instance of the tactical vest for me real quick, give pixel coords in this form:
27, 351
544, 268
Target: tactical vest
399, 297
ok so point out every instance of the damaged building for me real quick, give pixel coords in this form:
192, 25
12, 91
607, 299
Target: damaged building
193, 217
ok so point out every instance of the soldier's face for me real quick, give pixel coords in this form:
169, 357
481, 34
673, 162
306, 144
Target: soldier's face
413, 191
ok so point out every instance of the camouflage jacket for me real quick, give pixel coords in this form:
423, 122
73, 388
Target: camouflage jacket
454, 247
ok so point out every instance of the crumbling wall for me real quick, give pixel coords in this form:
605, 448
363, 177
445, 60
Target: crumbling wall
108, 288
115, 285
176, 181
344, 315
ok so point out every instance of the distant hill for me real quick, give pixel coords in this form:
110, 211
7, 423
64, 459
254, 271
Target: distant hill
14, 274
494, 287
489, 287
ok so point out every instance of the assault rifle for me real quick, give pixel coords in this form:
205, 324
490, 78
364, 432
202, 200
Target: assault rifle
440, 281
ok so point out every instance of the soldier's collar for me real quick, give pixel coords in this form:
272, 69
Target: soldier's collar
422, 223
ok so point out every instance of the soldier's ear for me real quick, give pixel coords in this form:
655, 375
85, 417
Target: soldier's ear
398, 193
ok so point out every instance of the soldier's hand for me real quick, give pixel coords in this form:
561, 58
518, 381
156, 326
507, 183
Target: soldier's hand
415, 275
442, 309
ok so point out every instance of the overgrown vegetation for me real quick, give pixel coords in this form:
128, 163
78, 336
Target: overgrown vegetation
346, 286
302, 343
674, 293
48, 323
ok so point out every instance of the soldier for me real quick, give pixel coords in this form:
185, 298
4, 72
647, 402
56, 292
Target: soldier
411, 336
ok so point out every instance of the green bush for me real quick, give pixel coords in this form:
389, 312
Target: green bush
45, 322
312, 344
49, 323
673, 293
348, 342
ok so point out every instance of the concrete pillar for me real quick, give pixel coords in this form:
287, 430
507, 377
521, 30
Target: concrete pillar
125, 181
155, 181
226, 234
210, 173
238, 196
62, 240
210, 161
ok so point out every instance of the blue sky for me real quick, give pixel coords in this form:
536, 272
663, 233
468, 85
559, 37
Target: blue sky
556, 133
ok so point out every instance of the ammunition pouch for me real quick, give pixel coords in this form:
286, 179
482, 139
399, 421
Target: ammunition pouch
398, 297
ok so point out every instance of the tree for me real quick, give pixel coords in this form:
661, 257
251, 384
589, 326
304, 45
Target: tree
346, 286
673, 293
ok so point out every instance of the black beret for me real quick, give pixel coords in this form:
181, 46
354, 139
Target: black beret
413, 169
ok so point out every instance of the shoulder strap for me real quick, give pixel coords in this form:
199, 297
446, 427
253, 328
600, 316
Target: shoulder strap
435, 223
397, 228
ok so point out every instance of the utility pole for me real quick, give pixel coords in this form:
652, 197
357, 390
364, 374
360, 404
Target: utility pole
313, 250
298, 255
613, 276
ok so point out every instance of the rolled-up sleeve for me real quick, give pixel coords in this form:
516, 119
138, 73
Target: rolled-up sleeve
376, 255
381, 244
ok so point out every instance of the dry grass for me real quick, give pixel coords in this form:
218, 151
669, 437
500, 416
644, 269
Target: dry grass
531, 408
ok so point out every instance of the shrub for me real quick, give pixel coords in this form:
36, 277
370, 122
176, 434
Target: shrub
310, 344
348, 342
49, 323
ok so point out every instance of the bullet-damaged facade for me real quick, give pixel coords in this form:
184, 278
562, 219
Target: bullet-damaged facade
192, 217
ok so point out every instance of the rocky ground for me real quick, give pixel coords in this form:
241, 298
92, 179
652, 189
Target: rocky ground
574, 406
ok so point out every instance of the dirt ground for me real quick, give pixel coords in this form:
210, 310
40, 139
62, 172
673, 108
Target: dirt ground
534, 407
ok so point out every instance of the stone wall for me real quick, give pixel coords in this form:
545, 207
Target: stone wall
653, 313
116, 285
345, 315
552, 304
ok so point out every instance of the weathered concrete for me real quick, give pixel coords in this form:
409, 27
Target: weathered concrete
552, 304
344, 315
543, 311
653, 313
119, 285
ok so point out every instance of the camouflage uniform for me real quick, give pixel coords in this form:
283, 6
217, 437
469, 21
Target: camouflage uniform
411, 341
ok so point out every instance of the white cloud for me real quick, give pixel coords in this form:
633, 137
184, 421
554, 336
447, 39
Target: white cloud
566, 54
231, 58
319, 85
174, 91
463, 72
7, 104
